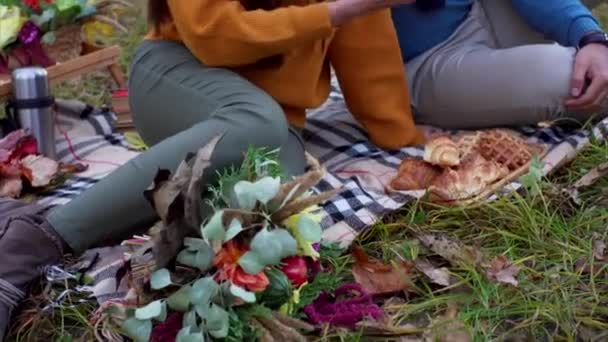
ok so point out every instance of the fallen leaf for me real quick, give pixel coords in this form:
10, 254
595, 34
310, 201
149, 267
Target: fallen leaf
39, 170
11, 187
447, 328
592, 176
26, 146
440, 276
503, 271
9, 142
164, 194
452, 250
599, 247
377, 277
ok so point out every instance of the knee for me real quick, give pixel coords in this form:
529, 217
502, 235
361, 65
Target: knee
554, 69
256, 121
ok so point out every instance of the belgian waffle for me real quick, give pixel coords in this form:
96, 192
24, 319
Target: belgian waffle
505, 148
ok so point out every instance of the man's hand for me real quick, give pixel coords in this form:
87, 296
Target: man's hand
590, 65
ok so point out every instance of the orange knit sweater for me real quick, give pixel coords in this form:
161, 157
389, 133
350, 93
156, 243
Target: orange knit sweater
363, 52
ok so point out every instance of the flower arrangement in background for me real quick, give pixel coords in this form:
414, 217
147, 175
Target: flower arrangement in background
28, 27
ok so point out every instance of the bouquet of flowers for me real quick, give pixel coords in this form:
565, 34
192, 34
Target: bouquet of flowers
250, 267
27, 26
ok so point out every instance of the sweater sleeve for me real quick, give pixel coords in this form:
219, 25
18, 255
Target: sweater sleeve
223, 33
368, 64
565, 21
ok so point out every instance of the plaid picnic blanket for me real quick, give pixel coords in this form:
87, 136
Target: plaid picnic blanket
331, 135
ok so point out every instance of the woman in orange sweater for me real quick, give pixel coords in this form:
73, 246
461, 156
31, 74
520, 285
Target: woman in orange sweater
248, 69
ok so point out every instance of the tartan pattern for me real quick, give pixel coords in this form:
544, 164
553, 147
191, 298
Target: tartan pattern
340, 144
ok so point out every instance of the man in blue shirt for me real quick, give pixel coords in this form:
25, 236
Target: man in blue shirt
485, 63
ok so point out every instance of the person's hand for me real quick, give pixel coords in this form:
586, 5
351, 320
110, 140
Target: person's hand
590, 65
341, 11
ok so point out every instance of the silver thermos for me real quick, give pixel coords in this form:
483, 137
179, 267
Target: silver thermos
33, 107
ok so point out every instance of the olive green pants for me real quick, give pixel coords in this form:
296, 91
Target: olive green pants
178, 105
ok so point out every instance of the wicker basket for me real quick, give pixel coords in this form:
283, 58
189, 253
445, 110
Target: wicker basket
67, 45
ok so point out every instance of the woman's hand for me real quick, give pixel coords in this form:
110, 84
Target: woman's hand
344, 10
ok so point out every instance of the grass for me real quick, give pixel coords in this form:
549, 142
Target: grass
544, 234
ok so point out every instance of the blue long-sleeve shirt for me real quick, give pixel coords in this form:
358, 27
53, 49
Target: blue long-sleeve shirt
565, 21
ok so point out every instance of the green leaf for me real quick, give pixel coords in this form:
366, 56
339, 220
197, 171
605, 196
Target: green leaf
190, 319
217, 322
309, 229
194, 244
42, 19
233, 230
250, 263
185, 335
273, 245
138, 330
248, 297
160, 279
49, 38
197, 254
248, 193
214, 229
268, 248
180, 300
202, 310
203, 291
156, 310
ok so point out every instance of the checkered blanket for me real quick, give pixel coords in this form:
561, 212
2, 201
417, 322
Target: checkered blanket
331, 135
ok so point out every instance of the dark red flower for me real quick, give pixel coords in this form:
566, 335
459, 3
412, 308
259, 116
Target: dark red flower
168, 330
296, 270
35, 4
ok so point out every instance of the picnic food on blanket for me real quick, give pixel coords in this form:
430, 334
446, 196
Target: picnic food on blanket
473, 175
415, 174
442, 151
464, 167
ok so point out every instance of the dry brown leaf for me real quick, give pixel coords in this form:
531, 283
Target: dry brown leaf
447, 328
451, 250
503, 271
377, 277
592, 176
599, 247
440, 276
202, 161
40, 170
11, 187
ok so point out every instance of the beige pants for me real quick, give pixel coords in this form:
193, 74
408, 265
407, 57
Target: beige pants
493, 71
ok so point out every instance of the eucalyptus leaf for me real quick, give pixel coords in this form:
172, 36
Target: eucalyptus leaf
246, 296
190, 319
217, 322
49, 38
186, 335
250, 263
203, 291
42, 19
194, 244
263, 190
214, 229
160, 279
180, 300
156, 310
138, 330
199, 255
309, 229
273, 245
233, 230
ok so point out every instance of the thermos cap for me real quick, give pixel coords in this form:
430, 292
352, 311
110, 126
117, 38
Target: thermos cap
30, 83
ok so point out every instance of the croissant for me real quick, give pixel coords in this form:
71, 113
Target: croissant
473, 175
414, 174
442, 151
